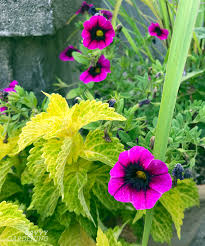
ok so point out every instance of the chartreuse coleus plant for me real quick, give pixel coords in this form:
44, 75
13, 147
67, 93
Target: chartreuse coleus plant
60, 164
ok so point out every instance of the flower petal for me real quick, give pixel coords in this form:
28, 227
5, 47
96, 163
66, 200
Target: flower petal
152, 197
124, 158
141, 155
117, 170
157, 167
138, 199
120, 191
161, 183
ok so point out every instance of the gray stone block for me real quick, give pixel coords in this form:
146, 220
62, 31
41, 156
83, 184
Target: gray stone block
34, 17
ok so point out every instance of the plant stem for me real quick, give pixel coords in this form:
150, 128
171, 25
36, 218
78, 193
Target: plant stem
180, 43
115, 13
147, 228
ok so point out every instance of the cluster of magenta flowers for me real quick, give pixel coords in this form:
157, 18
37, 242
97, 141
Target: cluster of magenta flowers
138, 178
5, 92
98, 33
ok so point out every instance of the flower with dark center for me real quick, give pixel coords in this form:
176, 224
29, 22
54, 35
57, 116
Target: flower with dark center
138, 178
143, 102
97, 33
92, 10
155, 30
112, 102
66, 54
11, 87
5, 92
97, 72
107, 14
178, 171
84, 8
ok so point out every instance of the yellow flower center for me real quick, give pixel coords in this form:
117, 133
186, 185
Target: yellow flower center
141, 175
99, 33
97, 70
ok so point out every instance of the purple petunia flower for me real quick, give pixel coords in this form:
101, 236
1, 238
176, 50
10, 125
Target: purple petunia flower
84, 8
107, 14
98, 72
155, 30
11, 86
66, 54
138, 178
2, 109
5, 93
97, 33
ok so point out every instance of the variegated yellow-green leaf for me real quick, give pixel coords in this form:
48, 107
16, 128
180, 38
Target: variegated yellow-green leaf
74, 180
75, 236
35, 165
51, 150
100, 190
161, 225
171, 200
188, 192
57, 105
14, 223
61, 161
8, 147
97, 149
60, 121
45, 197
41, 125
89, 111
102, 239
5, 167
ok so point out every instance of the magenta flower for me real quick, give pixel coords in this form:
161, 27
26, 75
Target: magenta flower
84, 8
2, 109
66, 54
5, 93
155, 30
98, 72
107, 14
138, 178
97, 33
11, 86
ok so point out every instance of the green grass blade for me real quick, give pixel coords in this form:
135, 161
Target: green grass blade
181, 39
115, 12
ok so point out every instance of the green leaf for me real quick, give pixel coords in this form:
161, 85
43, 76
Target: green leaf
76, 199
80, 58
45, 197
90, 111
75, 236
61, 161
102, 239
14, 224
171, 200
188, 192
139, 215
161, 225
35, 165
97, 149
5, 167
100, 190
50, 152
73, 93
9, 188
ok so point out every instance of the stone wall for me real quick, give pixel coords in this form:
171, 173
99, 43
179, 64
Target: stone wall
32, 34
